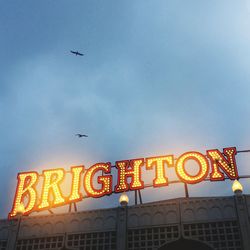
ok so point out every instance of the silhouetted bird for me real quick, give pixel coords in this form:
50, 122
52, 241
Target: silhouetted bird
76, 53
80, 135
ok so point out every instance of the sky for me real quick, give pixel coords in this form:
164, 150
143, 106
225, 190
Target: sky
158, 77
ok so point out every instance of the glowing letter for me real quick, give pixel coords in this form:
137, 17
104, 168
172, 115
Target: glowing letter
25, 186
105, 181
158, 163
134, 172
182, 173
75, 189
52, 178
227, 165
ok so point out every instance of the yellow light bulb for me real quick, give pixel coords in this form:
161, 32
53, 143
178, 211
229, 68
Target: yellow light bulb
124, 199
237, 187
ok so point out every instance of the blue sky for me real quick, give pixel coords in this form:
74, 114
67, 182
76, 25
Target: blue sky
158, 77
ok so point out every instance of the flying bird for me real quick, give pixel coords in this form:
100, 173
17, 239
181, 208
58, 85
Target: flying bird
81, 135
76, 53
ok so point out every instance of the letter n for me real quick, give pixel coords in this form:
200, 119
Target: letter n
225, 162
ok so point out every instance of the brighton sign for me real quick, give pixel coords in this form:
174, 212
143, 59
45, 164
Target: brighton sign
97, 180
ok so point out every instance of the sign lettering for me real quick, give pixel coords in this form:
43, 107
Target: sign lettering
98, 180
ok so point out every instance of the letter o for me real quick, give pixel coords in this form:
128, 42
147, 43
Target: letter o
182, 173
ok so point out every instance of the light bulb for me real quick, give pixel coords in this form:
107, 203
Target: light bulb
237, 187
124, 199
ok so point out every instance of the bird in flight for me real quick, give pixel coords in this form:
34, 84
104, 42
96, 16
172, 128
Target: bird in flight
81, 135
76, 53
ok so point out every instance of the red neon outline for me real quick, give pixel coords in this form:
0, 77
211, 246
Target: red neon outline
51, 205
79, 192
15, 196
151, 167
99, 179
220, 166
195, 159
129, 165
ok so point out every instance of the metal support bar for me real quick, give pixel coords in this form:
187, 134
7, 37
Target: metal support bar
244, 151
139, 191
75, 207
135, 197
50, 211
18, 228
186, 190
70, 207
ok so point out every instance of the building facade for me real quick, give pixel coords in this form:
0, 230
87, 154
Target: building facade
212, 223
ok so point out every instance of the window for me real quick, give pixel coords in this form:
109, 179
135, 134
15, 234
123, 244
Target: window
148, 238
96, 240
220, 235
40, 243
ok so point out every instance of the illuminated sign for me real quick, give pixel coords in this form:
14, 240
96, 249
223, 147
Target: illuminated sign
129, 177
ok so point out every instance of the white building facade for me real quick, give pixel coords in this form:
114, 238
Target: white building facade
209, 223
